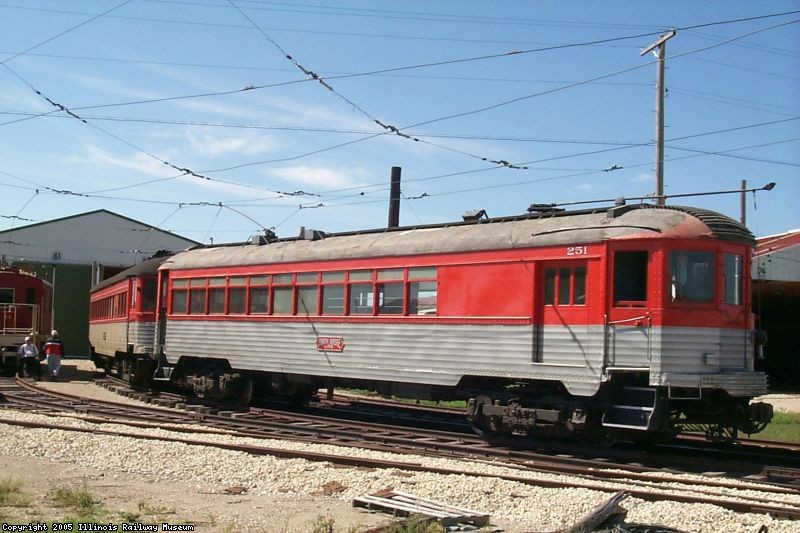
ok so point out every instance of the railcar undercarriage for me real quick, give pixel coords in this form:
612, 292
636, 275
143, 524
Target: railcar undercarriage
212, 379
617, 411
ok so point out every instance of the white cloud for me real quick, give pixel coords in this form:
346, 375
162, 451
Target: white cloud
211, 143
23, 99
138, 162
319, 178
643, 177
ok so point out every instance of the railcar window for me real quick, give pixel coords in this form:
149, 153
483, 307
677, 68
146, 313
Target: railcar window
279, 278
262, 280
178, 302
197, 301
390, 298
332, 299
733, 279
30, 295
6, 296
564, 285
396, 273
422, 297
361, 275
579, 286
148, 296
216, 296
422, 273
259, 298
237, 297
630, 278
361, 298
550, 286
237, 280
332, 276
216, 300
121, 305
691, 276
282, 300
307, 277
197, 282
307, 300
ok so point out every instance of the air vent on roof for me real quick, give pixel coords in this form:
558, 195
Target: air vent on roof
309, 234
475, 215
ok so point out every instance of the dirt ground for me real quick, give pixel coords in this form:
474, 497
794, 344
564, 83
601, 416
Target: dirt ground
127, 497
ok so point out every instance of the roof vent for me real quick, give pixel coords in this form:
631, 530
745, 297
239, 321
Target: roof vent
309, 234
475, 215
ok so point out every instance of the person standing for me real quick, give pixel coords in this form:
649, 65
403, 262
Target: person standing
53, 350
29, 360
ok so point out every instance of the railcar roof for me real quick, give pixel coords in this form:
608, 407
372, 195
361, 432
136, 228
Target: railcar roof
148, 267
550, 229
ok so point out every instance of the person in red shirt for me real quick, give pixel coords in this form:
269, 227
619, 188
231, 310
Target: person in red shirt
53, 350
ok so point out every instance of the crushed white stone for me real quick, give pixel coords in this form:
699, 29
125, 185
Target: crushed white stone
535, 508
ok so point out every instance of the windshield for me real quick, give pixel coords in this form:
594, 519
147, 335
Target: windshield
691, 276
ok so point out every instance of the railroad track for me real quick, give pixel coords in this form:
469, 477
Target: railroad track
504, 463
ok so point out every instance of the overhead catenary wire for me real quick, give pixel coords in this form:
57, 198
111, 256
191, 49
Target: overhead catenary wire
83, 116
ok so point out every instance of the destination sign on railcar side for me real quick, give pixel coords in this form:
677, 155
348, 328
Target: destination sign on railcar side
330, 344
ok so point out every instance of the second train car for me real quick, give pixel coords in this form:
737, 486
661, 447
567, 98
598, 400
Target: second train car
122, 316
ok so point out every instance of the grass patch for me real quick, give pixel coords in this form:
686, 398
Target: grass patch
416, 524
785, 427
11, 494
81, 502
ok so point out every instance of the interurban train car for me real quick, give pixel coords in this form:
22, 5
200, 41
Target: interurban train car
26, 307
628, 321
122, 318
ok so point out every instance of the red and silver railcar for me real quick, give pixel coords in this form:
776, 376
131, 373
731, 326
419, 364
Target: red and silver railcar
26, 308
122, 320
630, 320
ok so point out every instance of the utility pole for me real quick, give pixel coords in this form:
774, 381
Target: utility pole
661, 54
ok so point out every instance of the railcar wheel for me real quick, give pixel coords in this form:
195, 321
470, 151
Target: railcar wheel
490, 426
720, 434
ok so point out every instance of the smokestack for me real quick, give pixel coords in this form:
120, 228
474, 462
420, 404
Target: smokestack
394, 199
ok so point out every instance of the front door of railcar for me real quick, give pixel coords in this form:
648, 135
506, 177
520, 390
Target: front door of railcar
562, 333
628, 336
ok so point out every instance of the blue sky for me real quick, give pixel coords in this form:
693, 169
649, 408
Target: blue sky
187, 114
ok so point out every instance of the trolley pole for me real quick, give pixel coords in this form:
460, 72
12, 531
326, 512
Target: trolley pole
660, 53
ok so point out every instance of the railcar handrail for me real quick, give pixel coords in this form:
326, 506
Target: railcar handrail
645, 316
9, 324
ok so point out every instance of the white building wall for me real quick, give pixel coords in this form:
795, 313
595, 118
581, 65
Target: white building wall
781, 265
98, 236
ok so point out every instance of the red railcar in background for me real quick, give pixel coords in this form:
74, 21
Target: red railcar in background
122, 319
26, 309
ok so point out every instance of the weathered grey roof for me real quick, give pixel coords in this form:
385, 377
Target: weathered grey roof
551, 229
148, 267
